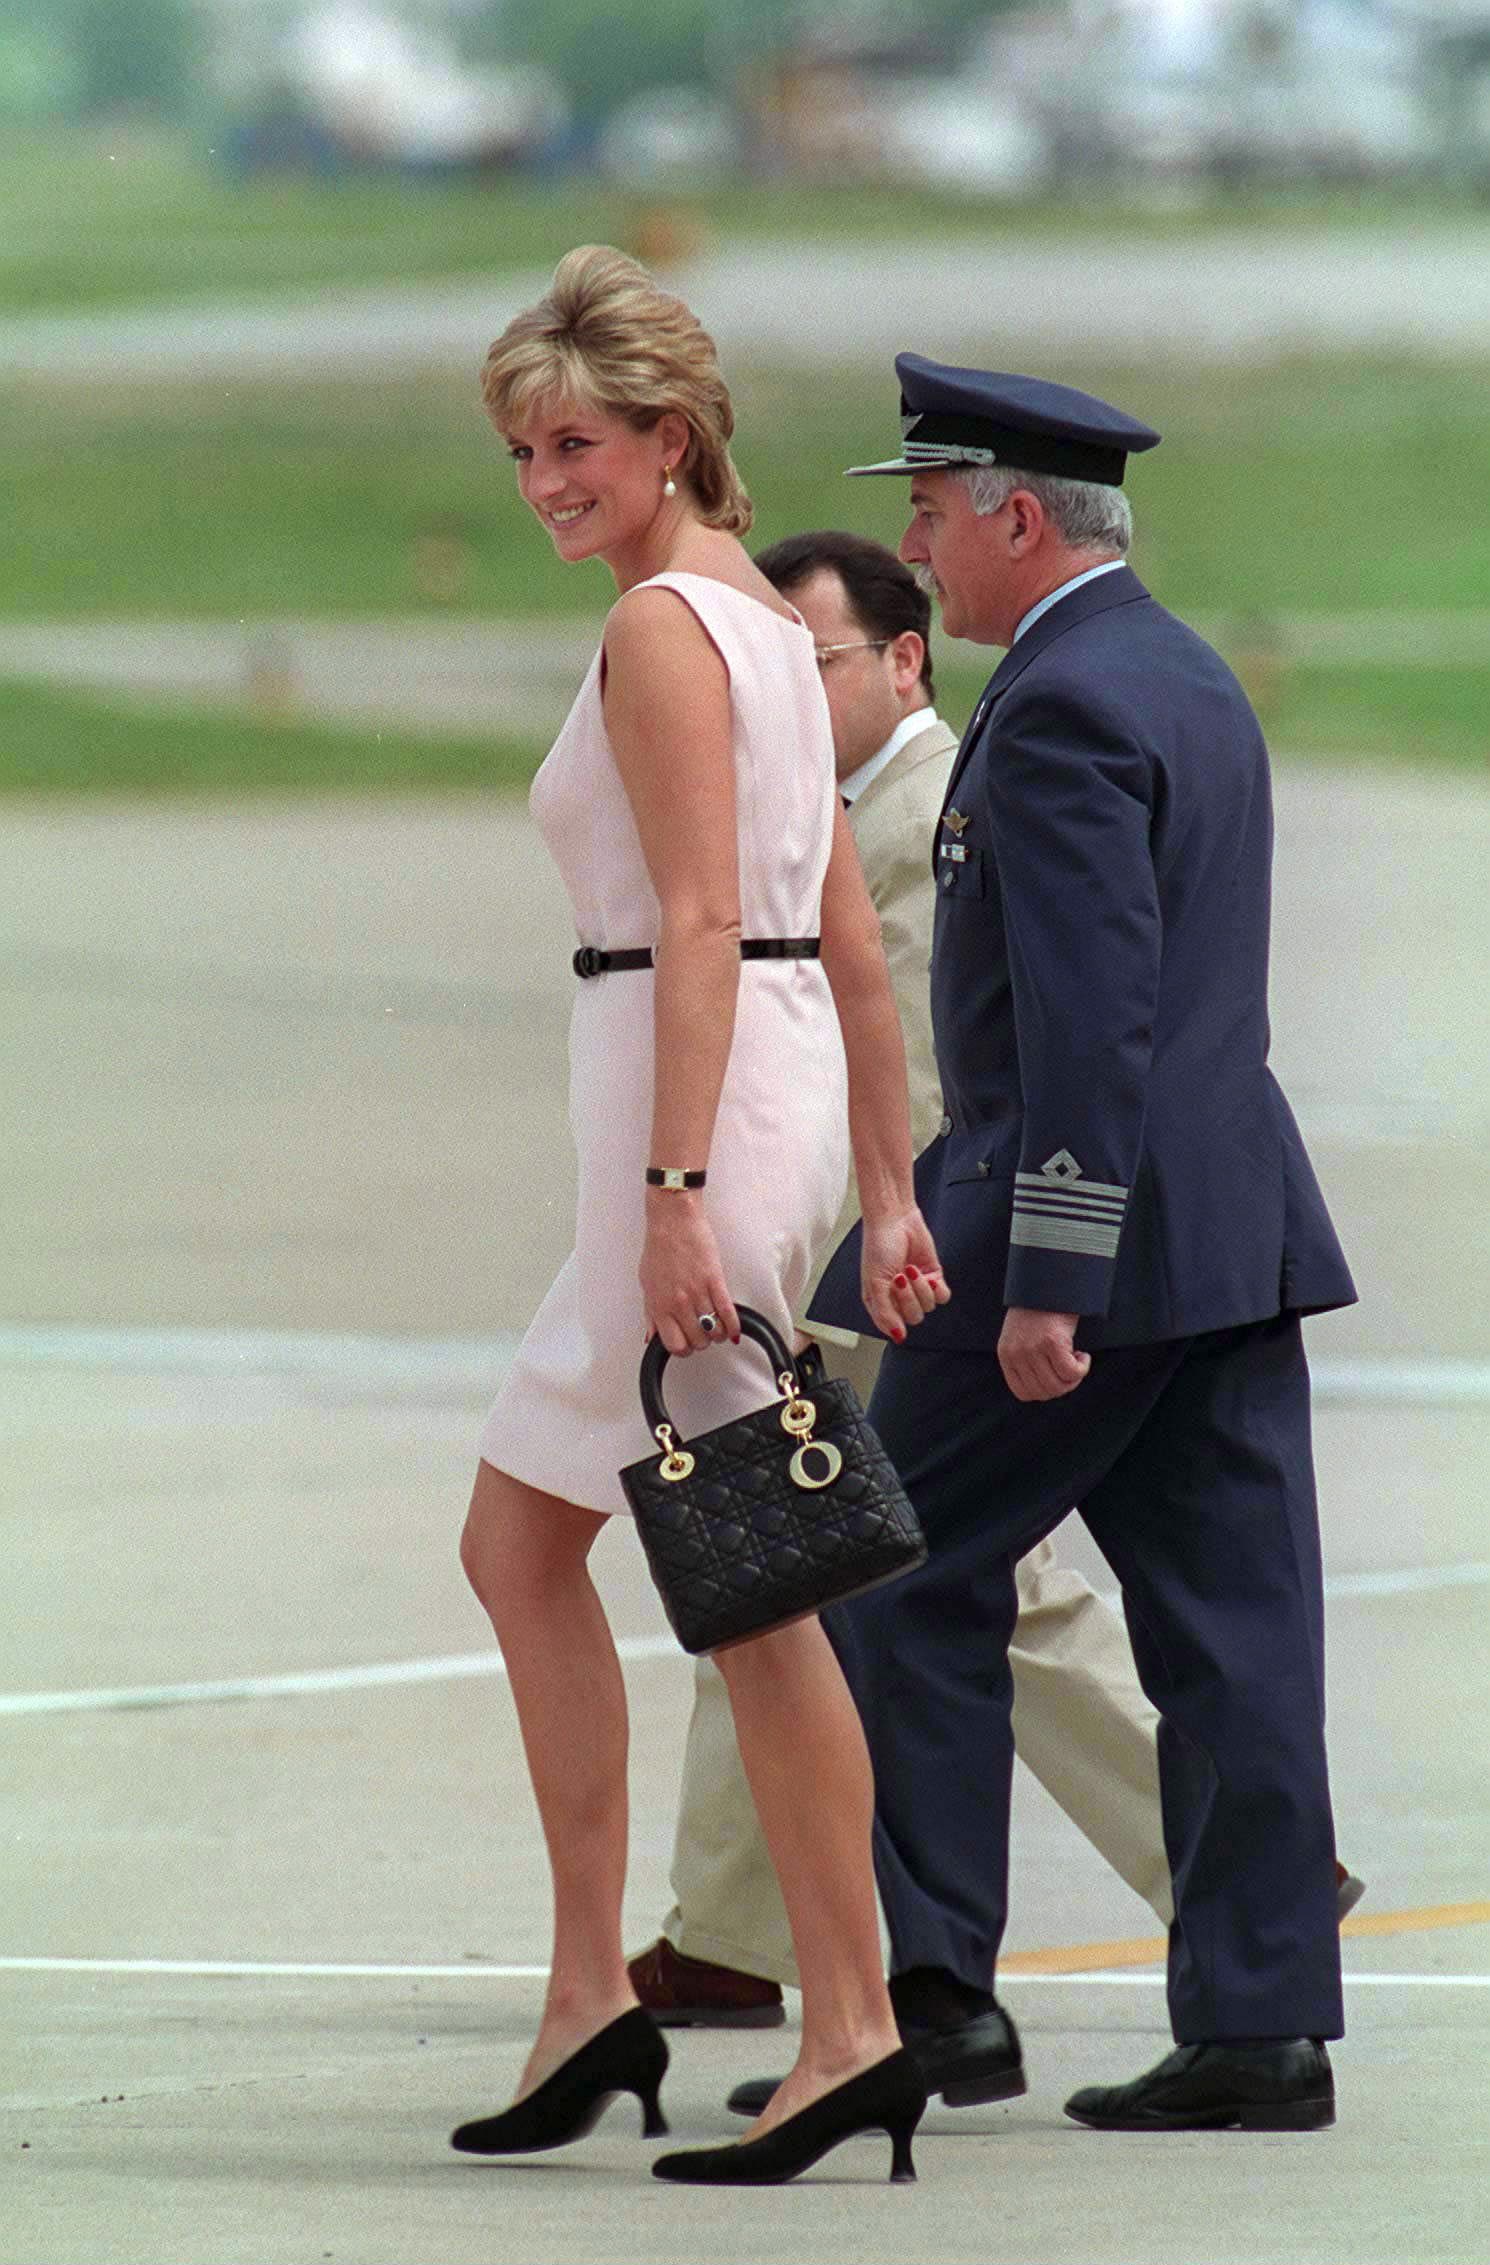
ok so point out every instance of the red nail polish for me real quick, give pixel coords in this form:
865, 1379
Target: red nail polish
911, 1274
897, 1336
900, 1281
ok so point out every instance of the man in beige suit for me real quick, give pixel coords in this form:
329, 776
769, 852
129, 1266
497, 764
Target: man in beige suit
1081, 1723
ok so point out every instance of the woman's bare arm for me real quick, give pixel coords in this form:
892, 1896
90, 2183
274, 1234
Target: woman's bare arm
901, 1275
667, 712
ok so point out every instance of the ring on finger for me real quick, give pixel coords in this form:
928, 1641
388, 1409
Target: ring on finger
708, 1323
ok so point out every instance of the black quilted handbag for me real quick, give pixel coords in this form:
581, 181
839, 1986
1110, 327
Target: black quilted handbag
773, 1516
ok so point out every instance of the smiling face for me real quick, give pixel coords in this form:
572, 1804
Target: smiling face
594, 481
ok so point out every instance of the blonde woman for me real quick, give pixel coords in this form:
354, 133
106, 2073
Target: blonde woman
690, 805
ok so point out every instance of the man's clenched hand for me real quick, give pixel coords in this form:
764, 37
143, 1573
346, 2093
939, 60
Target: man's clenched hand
1037, 1353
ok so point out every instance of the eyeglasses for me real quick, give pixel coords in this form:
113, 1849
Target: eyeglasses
825, 655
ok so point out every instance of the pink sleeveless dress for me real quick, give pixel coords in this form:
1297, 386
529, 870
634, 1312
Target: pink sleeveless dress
568, 1415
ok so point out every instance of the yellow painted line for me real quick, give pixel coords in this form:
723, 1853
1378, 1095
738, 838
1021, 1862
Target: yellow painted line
1419, 1922
1151, 1950
1075, 1958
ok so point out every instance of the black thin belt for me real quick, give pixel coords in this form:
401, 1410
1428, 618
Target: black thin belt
590, 960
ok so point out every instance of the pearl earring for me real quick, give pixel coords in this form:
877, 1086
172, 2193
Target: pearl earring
669, 484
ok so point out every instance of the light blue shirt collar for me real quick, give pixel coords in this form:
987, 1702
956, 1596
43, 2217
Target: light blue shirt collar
1108, 566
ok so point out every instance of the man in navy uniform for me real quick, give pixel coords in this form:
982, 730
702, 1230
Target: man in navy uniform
1131, 1231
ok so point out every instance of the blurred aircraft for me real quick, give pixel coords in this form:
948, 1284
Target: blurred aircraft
1231, 89
356, 84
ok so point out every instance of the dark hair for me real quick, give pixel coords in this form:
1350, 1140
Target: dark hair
885, 597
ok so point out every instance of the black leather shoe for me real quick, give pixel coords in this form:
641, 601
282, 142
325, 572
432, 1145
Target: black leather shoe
968, 2062
965, 2063
1282, 2084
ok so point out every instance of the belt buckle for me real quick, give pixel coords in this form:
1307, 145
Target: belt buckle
588, 960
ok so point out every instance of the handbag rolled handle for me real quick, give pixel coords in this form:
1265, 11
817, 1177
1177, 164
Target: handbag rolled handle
657, 1356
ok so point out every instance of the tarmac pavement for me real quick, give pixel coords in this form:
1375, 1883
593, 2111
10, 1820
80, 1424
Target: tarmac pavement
1210, 293
470, 674
286, 1166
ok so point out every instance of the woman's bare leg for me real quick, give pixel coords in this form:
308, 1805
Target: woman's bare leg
804, 1754
525, 1554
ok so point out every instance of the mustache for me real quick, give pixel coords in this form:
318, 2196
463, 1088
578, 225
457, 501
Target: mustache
926, 581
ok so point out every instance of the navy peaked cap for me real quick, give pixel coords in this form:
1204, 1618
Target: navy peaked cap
950, 416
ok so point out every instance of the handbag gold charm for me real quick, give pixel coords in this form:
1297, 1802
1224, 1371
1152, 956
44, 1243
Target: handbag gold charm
832, 1465
798, 1417
676, 1462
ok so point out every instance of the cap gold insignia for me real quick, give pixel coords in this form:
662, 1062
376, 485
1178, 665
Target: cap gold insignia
957, 822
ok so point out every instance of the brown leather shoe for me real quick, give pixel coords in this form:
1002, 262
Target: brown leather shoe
689, 1993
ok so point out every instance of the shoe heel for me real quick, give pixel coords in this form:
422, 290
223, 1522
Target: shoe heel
654, 2122
902, 2169
1288, 2115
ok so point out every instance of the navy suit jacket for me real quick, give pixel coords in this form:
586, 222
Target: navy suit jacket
1115, 1144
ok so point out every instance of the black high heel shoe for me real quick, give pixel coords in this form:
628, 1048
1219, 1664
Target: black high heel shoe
890, 2097
628, 2055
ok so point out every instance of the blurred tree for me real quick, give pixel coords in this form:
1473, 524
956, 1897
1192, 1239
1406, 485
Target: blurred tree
121, 54
604, 51
38, 74
955, 18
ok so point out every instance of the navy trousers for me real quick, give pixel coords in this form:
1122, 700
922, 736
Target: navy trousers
1191, 1464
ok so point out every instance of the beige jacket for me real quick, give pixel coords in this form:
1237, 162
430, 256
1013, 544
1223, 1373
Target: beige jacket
893, 823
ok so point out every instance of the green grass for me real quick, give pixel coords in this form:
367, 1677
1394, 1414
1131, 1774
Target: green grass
107, 215
101, 218
1311, 488
1322, 486
1414, 718
54, 742
63, 743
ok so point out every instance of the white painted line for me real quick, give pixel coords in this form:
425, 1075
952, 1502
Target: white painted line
243, 1966
316, 1679
1156, 1981
1418, 1384
207, 1968
256, 1686
300, 1353
452, 1360
309, 1682
1394, 1581
477, 1363
1407, 1580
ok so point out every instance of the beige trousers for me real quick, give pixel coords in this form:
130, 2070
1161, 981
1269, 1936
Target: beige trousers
1081, 1723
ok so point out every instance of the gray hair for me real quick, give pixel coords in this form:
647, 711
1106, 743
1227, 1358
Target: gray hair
1085, 513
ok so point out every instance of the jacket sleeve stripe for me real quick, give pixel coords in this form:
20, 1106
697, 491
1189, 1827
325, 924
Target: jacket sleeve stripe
1077, 1207
1037, 1231
1042, 1183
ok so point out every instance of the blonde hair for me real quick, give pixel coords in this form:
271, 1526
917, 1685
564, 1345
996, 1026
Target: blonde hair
606, 337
